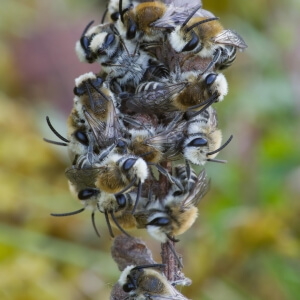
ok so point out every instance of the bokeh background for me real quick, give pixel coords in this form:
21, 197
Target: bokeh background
245, 244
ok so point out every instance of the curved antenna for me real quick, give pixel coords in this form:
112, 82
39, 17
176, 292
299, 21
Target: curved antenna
191, 15
55, 132
222, 147
87, 28
127, 187
201, 22
206, 104
97, 90
104, 15
118, 225
108, 224
54, 142
138, 196
221, 161
94, 224
121, 11
69, 213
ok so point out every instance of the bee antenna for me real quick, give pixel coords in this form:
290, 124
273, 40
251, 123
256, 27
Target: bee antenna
221, 161
55, 143
94, 223
191, 15
149, 266
175, 254
108, 224
127, 187
55, 132
138, 196
207, 103
69, 213
87, 28
118, 225
201, 22
97, 90
104, 15
222, 147
121, 11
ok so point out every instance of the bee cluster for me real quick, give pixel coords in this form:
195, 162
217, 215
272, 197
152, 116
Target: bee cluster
147, 111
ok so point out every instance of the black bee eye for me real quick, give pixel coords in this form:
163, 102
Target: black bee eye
121, 200
97, 82
128, 287
87, 194
131, 30
192, 44
177, 193
199, 142
210, 78
129, 163
85, 43
115, 16
79, 91
122, 145
160, 222
81, 137
109, 39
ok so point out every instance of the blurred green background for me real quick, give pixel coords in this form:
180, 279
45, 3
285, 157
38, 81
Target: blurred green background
245, 244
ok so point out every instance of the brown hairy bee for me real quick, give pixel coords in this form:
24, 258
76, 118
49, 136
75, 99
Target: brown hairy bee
190, 92
207, 38
178, 211
144, 282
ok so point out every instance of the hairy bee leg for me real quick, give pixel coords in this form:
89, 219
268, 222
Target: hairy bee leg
118, 225
69, 213
108, 224
94, 224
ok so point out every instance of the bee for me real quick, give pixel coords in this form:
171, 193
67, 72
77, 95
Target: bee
190, 92
94, 107
207, 38
122, 60
82, 185
203, 141
144, 282
113, 8
178, 211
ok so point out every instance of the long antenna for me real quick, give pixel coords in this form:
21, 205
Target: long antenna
94, 223
55, 132
118, 225
190, 16
69, 213
222, 147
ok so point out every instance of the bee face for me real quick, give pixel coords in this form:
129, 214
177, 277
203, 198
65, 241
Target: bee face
196, 147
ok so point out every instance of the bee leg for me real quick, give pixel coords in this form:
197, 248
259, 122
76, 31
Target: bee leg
94, 224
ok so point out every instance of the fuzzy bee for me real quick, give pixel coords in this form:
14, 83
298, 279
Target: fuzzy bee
206, 37
121, 59
190, 92
144, 282
178, 211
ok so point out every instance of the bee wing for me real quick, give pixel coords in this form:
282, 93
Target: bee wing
200, 189
230, 37
213, 118
154, 99
177, 12
105, 132
174, 295
82, 178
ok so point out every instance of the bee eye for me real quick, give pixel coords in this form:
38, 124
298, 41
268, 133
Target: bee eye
128, 287
160, 222
192, 44
121, 200
177, 193
121, 144
81, 137
85, 43
131, 30
109, 39
87, 194
210, 78
199, 142
97, 82
129, 163
115, 16
79, 91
